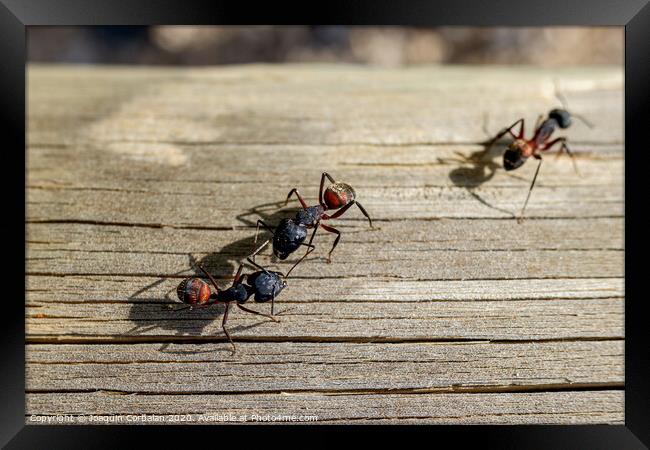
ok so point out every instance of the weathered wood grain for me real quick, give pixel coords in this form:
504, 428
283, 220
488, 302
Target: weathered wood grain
213, 200
449, 312
465, 165
309, 105
478, 366
416, 203
461, 235
137, 289
406, 249
502, 408
394, 262
337, 320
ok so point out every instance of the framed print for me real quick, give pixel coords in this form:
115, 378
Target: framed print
404, 215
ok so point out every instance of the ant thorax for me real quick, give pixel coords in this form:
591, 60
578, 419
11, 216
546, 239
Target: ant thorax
309, 216
238, 293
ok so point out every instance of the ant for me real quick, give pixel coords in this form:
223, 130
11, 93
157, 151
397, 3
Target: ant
263, 285
290, 234
521, 148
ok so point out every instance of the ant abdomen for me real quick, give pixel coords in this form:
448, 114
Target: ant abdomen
561, 116
338, 195
193, 291
512, 159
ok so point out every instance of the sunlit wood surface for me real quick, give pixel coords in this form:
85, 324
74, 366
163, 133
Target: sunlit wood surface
448, 312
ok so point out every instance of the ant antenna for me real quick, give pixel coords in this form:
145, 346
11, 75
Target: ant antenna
530, 190
485, 124
565, 104
299, 261
559, 95
583, 120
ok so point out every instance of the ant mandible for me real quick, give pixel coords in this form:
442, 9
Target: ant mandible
521, 148
263, 285
290, 234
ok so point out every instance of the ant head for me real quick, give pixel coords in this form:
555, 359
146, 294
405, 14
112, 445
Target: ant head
512, 158
267, 285
561, 116
281, 254
338, 195
193, 291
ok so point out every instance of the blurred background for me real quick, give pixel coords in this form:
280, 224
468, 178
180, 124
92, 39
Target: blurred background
382, 46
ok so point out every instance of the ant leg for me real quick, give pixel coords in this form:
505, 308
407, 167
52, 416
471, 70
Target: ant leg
329, 177
334, 230
508, 130
257, 266
322, 184
563, 147
214, 283
251, 257
311, 239
182, 308
257, 228
193, 307
238, 274
572, 155
365, 213
539, 121
258, 313
225, 330
206, 305
310, 248
259, 249
300, 199
550, 144
340, 212
530, 189
336, 241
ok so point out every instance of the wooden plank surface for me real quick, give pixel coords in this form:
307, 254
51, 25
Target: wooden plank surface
449, 311
422, 321
192, 368
575, 407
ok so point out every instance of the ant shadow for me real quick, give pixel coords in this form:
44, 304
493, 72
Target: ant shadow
166, 312
479, 167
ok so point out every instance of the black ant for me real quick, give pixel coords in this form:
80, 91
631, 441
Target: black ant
264, 285
290, 234
521, 148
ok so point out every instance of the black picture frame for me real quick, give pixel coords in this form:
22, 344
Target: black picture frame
634, 15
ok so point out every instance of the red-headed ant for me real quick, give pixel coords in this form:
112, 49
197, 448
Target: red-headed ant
521, 148
290, 234
263, 285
